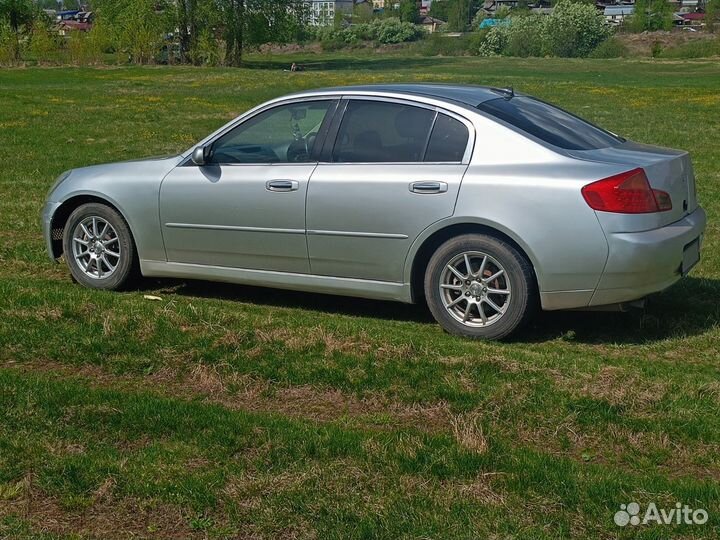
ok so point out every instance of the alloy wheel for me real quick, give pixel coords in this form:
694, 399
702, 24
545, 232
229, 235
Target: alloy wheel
96, 247
475, 289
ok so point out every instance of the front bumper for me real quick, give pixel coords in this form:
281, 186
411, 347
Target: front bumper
646, 262
47, 214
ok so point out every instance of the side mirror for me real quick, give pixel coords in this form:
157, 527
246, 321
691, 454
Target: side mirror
199, 155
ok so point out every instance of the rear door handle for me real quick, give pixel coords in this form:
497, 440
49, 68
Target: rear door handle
428, 187
282, 185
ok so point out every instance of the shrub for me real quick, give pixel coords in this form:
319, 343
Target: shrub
394, 31
610, 48
382, 31
574, 30
7, 44
700, 48
207, 50
441, 44
525, 35
43, 44
495, 41
89, 47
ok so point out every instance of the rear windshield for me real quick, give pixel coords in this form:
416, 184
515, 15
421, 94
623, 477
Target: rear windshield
549, 124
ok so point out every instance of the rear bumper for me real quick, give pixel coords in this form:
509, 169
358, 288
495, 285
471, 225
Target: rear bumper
646, 262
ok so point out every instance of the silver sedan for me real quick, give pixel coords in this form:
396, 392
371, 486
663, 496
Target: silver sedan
482, 202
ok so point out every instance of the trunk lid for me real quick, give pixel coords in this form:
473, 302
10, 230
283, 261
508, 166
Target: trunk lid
666, 169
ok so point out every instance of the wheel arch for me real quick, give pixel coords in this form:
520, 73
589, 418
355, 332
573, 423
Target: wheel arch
428, 242
68, 206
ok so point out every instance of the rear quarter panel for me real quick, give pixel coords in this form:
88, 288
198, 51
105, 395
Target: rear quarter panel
533, 195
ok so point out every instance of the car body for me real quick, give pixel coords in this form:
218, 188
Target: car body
375, 178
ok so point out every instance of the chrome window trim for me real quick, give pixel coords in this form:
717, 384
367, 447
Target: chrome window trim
404, 99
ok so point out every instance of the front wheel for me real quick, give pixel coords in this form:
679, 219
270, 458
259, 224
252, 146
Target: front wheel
480, 287
98, 247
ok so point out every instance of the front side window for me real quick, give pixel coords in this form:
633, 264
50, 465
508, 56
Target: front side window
549, 124
381, 132
283, 134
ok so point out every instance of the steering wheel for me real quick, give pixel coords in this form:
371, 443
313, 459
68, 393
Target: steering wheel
299, 150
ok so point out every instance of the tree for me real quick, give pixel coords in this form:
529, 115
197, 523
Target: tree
186, 26
233, 14
20, 16
408, 11
254, 22
458, 15
638, 21
440, 10
712, 9
661, 14
362, 13
651, 15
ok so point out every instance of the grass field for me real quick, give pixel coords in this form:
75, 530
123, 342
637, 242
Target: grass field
226, 411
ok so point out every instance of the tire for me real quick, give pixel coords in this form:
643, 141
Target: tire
86, 241
475, 306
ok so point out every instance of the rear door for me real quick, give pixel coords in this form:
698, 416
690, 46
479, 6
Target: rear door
390, 168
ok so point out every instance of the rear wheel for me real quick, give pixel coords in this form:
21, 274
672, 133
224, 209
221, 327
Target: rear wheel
480, 287
98, 246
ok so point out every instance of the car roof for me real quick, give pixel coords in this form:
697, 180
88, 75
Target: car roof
465, 94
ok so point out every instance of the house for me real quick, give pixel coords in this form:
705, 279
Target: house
489, 23
430, 24
322, 12
617, 14
692, 19
74, 21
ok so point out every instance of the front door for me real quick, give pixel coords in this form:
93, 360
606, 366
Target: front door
246, 207
395, 169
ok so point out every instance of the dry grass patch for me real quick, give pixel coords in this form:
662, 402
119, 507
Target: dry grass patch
711, 390
105, 517
332, 343
616, 386
43, 313
469, 433
480, 489
236, 391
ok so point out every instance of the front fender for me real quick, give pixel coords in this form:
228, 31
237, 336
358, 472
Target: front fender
131, 187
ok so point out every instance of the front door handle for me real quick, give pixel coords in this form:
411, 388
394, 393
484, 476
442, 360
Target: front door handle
282, 185
428, 187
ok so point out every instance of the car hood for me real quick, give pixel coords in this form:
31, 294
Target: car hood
147, 163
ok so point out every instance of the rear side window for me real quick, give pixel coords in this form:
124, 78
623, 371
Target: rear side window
377, 132
549, 124
448, 140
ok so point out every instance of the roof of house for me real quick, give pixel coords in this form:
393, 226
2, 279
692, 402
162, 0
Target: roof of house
619, 10
464, 94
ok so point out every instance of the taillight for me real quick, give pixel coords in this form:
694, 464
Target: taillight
626, 193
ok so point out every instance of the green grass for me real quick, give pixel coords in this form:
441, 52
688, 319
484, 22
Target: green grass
227, 411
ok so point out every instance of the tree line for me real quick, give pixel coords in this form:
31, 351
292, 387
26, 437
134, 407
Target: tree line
187, 31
